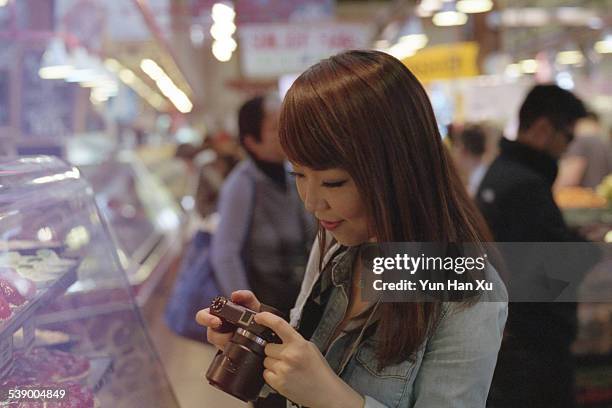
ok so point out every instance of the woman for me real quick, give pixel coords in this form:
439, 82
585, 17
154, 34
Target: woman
370, 165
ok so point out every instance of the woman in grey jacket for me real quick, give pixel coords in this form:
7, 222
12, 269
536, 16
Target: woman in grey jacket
370, 165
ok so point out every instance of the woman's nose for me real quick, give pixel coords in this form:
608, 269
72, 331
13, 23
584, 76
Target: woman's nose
313, 201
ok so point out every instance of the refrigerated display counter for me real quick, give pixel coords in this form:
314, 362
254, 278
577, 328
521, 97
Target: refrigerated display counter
71, 333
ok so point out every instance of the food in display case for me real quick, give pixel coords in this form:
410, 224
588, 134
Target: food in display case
43, 364
578, 197
70, 332
42, 268
604, 189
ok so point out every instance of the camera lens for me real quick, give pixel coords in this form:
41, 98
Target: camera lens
238, 370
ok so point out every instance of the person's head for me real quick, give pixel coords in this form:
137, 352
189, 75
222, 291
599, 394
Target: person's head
258, 129
547, 119
470, 144
473, 141
468, 148
361, 127
361, 134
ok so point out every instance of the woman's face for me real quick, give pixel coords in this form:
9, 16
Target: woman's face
332, 196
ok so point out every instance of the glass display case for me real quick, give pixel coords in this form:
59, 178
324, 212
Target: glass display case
142, 214
70, 331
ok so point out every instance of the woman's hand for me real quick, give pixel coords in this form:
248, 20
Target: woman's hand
245, 298
298, 370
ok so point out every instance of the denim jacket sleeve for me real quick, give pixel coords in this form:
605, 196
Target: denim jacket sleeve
459, 358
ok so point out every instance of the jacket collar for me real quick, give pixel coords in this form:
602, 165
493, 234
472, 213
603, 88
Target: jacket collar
342, 269
275, 172
540, 162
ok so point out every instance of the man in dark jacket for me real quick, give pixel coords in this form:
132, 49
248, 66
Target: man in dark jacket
535, 367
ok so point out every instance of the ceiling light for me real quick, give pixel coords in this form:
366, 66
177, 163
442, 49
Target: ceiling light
525, 17
127, 76
427, 7
222, 12
604, 46
222, 30
412, 35
151, 68
575, 16
55, 72
178, 98
513, 70
112, 65
565, 80
221, 51
55, 62
528, 66
415, 41
474, 6
573, 57
449, 16
196, 35
401, 51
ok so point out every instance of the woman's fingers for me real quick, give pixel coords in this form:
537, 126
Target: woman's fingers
272, 380
204, 318
278, 325
217, 339
274, 350
246, 298
272, 364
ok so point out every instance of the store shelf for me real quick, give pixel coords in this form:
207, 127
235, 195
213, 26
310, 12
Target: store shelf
43, 297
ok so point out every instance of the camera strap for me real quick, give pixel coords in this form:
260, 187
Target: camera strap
353, 348
357, 341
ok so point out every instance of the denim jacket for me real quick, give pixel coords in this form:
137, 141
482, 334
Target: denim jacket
452, 368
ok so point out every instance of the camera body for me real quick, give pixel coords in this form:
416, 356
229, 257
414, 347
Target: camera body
238, 369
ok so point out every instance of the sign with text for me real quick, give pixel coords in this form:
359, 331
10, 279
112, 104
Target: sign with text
444, 62
269, 11
271, 50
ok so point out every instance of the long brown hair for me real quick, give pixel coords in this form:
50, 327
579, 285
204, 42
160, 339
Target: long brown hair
365, 112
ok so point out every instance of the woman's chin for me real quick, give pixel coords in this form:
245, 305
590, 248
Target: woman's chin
345, 240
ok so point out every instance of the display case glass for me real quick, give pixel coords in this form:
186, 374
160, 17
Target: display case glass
142, 215
70, 331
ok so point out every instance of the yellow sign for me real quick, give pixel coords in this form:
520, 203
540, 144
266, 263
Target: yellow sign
444, 62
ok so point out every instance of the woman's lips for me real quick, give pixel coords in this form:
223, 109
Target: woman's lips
329, 225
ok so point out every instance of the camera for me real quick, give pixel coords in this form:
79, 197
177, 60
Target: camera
238, 369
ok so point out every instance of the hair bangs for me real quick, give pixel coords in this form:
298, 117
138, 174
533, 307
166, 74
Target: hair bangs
306, 128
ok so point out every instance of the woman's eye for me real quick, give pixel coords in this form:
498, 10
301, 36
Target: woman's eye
296, 175
334, 184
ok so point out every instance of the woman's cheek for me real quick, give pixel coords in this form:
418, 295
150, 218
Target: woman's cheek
348, 206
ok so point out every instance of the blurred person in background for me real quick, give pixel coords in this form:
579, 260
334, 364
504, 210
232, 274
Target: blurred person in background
215, 162
535, 366
469, 147
588, 158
